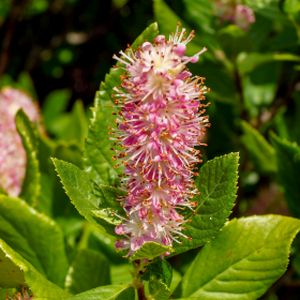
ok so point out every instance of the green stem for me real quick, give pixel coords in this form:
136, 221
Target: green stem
139, 269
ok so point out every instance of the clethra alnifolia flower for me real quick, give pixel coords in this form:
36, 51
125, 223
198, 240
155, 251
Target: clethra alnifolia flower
244, 16
234, 12
160, 122
12, 153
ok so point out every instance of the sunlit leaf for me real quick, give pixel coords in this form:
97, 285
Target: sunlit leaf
244, 260
217, 185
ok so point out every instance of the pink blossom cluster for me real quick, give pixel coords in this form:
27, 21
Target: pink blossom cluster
12, 153
160, 122
239, 14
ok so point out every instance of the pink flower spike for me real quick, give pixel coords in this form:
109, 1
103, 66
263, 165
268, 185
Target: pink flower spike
160, 122
241, 15
12, 153
244, 16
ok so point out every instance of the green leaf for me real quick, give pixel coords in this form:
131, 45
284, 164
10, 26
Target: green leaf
244, 260
269, 9
31, 186
88, 270
110, 292
54, 105
46, 148
34, 236
84, 196
258, 33
71, 126
200, 12
109, 195
10, 275
284, 40
288, 162
107, 215
98, 146
217, 185
53, 200
260, 151
292, 8
150, 250
223, 88
158, 290
121, 274
46, 198
286, 119
159, 269
247, 62
25, 83
24, 272
259, 87
102, 242
233, 40
176, 279
69, 151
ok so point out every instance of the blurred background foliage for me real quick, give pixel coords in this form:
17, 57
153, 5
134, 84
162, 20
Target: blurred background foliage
66, 43
59, 51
